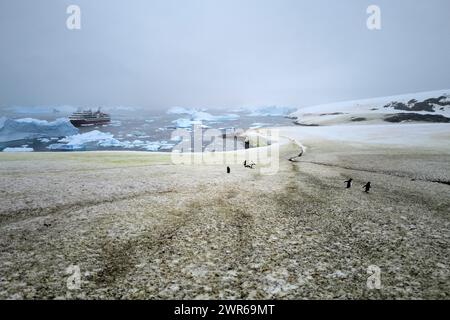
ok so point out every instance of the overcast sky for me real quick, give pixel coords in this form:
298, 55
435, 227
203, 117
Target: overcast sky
219, 53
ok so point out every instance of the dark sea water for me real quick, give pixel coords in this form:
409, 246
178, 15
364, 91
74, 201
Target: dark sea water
140, 132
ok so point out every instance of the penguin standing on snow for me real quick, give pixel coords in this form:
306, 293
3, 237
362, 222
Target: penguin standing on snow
367, 187
349, 183
228, 170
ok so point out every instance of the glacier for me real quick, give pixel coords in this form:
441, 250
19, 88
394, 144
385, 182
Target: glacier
29, 128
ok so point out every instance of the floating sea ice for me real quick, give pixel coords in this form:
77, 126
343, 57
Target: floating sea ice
19, 149
64, 147
176, 139
110, 143
114, 123
204, 116
137, 133
152, 146
166, 146
185, 123
271, 111
181, 110
77, 142
138, 143
91, 136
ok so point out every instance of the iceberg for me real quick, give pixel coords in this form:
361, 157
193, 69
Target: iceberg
152, 146
204, 116
185, 123
78, 141
200, 115
2, 122
29, 128
166, 146
181, 110
103, 139
271, 111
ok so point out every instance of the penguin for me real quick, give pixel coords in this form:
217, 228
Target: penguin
367, 187
349, 183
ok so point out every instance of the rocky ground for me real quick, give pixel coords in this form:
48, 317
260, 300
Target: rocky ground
139, 227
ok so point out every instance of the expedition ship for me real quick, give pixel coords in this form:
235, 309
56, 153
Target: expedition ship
87, 118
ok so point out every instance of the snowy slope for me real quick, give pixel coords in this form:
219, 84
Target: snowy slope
429, 135
433, 106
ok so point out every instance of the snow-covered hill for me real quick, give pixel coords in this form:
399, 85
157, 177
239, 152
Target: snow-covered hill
433, 106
